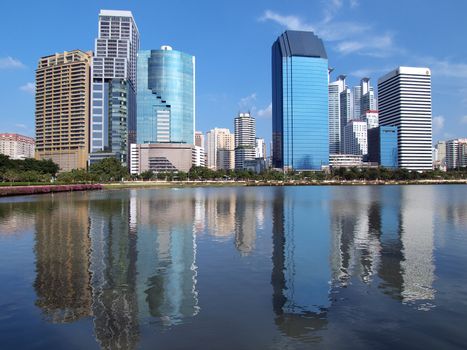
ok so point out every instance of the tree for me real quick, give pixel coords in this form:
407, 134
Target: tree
108, 169
147, 175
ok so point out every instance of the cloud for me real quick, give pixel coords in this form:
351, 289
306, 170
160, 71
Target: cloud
28, 87
265, 112
445, 67
10, 63
438, 123
376, 46
247, 102
22, 126
290, 22
464, 119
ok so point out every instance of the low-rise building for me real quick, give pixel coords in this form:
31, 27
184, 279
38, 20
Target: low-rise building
17, 146
382, 146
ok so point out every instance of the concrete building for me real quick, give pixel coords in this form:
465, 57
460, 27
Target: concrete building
345, 114
220, 149
300, 122
405, 102
17, 146
199, 157
456, 153
335, 132
356, 141
113, 113
260, 148
345, 160
368, 100
371, 117
382, 146
63, 83
245, 136
161, 157
439, 160
199, 139
356, 102
166, 96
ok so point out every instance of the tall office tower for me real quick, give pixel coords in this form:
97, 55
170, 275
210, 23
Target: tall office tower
356, 101
345, 114
300, 125
440, 160
220, 149
245, 135
113, 114
356, 141
260, 148
62, 108
335, 89
17, 146
405, 102
456, 153
368, 100
166, 96
199, 139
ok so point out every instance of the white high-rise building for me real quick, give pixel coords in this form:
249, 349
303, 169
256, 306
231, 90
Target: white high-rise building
356, 139
260, 148
439, 156
371, 118
356, 101
404, 97
368, 100
245, 135
456, 153
335, 89
113, 128
220, 149
346, 114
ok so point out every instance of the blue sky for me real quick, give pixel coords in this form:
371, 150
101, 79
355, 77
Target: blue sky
232, 43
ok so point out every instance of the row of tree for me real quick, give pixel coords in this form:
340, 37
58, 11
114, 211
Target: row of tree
110, 170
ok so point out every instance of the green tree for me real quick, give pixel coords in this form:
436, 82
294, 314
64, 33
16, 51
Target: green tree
108, 169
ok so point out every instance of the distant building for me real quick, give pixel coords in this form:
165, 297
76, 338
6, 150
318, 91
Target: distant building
199, 156
356, 139
345, 114
220, 146
166, 96
161, 157
17, 146
345, 160
335, 122
260, 148
63, 85
300, 125
199, 139
456, 153
357, 100
245, 136
382, 146
404, 97
439, 160
371, 118
114, 86
256, 165
368, 100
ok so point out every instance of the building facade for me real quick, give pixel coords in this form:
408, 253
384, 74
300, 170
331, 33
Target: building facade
356, 141
371, 117
456, 154
161, 157
439, 161
245, 136
300, 125
368, 99
404, 97
220, 149
382, 146
114, 85
17, 146
166, 96
260, 148
62, 109
335, 132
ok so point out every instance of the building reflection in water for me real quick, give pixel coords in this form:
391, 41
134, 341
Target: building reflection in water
377, 235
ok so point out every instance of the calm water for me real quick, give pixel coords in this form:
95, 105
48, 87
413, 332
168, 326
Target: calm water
375, 267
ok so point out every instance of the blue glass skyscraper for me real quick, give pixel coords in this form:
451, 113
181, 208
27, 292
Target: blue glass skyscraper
299, 102
166, 96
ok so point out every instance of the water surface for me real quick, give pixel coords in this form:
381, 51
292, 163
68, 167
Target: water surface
368, 267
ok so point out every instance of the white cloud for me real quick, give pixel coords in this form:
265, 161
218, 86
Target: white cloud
28, 87
376, 46
247, 102
464, 119
10, 63
438, 123
265, 112
290, 22
354, 3
445, 67
21, 126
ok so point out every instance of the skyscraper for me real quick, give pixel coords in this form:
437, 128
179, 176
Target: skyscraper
260, 148
335, 89
456, 153
345, 114
356, 141
113, 114
300, 126
62, 108
166, 96
368, 100
220, 149
245, 134
356, 101
405, 102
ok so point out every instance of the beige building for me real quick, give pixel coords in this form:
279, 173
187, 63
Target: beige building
17, 146
62, 108
161, 157
220, 149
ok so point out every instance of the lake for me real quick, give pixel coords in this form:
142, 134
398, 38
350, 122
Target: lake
325, 267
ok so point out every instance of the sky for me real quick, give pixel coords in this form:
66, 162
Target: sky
232, 43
